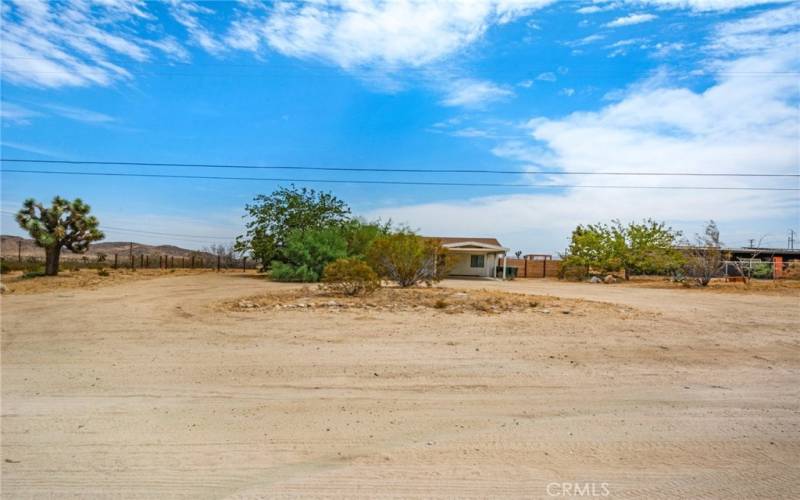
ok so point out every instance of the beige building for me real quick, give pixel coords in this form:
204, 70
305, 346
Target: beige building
477, 257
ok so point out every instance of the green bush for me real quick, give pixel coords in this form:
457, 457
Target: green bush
408, 259
33, 274
287, 272
103, 272
761, 271
4, 267
307, 253
350, 277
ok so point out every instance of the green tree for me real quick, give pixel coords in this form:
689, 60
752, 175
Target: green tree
65, 224
307, 252
273, 217
360, 235
636, 248
408, 259
648, 247
591, 247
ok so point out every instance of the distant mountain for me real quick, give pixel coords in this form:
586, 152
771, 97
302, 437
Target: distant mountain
10, 247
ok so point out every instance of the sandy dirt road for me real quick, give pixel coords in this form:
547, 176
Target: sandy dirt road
144, 390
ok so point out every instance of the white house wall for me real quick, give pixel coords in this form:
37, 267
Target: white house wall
461, 266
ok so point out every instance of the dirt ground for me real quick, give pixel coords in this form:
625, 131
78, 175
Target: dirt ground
158, 388
15, 282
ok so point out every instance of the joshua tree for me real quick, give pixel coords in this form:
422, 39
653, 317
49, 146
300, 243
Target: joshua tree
65, 224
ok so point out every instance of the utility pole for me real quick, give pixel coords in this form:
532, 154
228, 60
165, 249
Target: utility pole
131, 253
752, 244
19, 250
791, 239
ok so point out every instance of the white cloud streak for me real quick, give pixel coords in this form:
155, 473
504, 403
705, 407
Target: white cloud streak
631, 19
74, 43
474, 93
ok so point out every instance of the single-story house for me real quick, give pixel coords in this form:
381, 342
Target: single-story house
475, 256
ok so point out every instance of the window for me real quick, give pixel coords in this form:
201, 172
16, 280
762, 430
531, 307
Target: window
476, 261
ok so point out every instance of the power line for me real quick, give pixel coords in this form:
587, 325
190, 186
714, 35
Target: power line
398, 183
400, 170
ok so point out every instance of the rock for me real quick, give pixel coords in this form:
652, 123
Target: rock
246, 304
460, 296
609, 279
595, 279
332, 303
3, 288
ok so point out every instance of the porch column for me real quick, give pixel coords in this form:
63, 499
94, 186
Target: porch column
505, 263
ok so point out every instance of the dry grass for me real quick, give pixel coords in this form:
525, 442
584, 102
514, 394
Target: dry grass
87, 279
445, 300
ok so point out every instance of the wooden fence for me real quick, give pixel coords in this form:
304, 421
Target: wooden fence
534, 268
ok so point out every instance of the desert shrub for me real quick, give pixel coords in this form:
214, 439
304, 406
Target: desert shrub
4, 267
360, 235
350, 277
102, 272
288, 272
408, 259
307, 253
704, 259
440, 304
761, 271
33, 274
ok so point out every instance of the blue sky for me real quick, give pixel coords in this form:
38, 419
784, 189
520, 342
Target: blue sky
637, 86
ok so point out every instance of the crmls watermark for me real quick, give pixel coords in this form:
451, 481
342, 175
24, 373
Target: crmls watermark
569, 490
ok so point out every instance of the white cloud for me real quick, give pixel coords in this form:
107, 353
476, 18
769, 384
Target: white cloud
694, 5
745, 122
774, 27
188, 14
569, 92
667, 49
14, 113
474, 93
707, 5
547, 77
79, 114
353, 34
586, 40
631, 19
28, 148
20, 115
72, 43
470, 132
